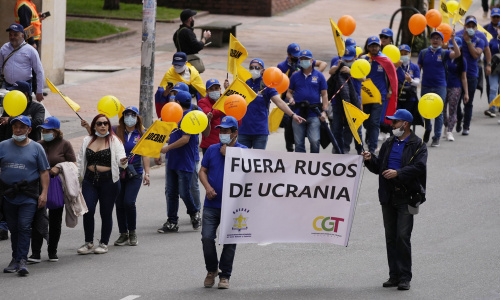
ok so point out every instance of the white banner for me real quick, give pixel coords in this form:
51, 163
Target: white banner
282, 197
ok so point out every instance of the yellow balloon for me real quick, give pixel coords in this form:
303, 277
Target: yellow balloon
360, 68
430, 105
452, 6
359, 50
194, 122
392, 52
14, 103
109, 105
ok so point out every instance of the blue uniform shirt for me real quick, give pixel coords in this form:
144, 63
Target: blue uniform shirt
214, 162
478, 42
183, 158
411, 69
307, 88
287, 68
334, 61
494, 46
130, 142
378, 76
394, 161
454, 75
433, 67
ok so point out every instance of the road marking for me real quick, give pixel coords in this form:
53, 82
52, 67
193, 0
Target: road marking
131, 297
264, 244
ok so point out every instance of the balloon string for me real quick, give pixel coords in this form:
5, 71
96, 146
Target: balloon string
340, 88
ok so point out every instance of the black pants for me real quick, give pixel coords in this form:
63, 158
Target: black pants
55, 222
484, 4
289, 139
398, 224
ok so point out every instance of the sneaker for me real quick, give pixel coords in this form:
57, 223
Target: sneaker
435, 143
168, 227
427, 135
13, 267
404, 285
449, 136
122, 240
391, 282
86, 248
223, 283
133, 238
101, 249
23, 269
210, 279
53, 257
465, 132
498, 121
489, 113
196, 220
34, 258
4, 235
459, 127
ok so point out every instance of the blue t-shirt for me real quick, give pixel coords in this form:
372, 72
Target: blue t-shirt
411, 69
455, 75
255, 121
334, 61
130, 142
433, 67
491, 29
494, 46
307, 88
183, 158
478, 42
214, 161
287, 68
394, 161
19, 163
379, 78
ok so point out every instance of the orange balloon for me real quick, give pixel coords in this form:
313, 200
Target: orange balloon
171, 112
283, 87
417, 24
272, 77
446, 30
235, 106
347, 25
434, 18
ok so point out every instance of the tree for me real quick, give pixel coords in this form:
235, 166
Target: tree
111, 4
406, 35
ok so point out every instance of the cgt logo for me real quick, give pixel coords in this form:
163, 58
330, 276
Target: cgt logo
327, 223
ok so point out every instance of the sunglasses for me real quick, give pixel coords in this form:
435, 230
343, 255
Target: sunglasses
255, 68
384, 37
105, 123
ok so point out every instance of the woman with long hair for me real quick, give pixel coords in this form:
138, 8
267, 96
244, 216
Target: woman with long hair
99, 159
129, 131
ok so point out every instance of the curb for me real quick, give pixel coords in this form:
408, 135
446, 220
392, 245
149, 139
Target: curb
176, 20
104, 38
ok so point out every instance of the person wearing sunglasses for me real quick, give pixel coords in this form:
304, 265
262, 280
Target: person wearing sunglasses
386, 37
99, 159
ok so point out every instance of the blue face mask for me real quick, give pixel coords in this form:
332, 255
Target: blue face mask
19, 138
304, 64
48, 137
130, 121
102, 135
435, 48
172, 98
470, 31
225, 138
405, 59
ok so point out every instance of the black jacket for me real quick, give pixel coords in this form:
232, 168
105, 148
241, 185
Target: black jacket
347, 93
412, 176
187, 40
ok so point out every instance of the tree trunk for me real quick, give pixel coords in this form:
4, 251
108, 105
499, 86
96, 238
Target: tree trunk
111, 4
406, 35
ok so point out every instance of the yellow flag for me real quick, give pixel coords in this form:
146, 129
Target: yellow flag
463, 7
370, 93
337, 36
243, 73
355, 117
236, 54
237, 87
122, 109
153, 140
194, 80
488, 35
275, 118
443, 9
74, 106
495, 101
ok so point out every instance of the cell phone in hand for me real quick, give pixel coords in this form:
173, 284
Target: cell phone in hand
45, 14
170, 84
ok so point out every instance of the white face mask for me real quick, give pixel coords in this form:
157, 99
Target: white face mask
130, 121
225, 138
215, 95
399, 131
102, 135
405, 59
255, 74
179, 69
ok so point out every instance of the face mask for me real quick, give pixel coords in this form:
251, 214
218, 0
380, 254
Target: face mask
214, 95
48, 137
192, 23
101, 135
179, 69
398, 131
470, 31
349, 64
172, 98
19, 138
255, 74
225, 138
435, 48
130, 121
405, 59
305, 64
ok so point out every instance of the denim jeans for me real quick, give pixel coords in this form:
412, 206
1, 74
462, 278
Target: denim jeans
311, 129
104, 191
466, 116
19, 218
195, 186
126, 212
253, 141
342, 132
179, 184
438, 121
493, 92
398, 224
55, 222
372, 125
3, 225
210, 222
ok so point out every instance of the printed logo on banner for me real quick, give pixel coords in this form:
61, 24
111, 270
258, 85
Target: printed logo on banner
326, 225
240, 222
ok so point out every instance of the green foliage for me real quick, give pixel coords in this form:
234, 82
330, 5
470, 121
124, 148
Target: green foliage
128, 11
90, 29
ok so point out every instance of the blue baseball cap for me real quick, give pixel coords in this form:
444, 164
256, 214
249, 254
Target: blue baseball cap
183, 97
258, 61
15, 27
350, 42
387, 32
131, 108
21, 86
459, 43
211, 82
23, 119
306, 53
228, 122
181, 86
373, 40
495, 12
469, 19
404, 47
438, 33
401, 114
350, 53
180, 59
51, 123
293, 49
